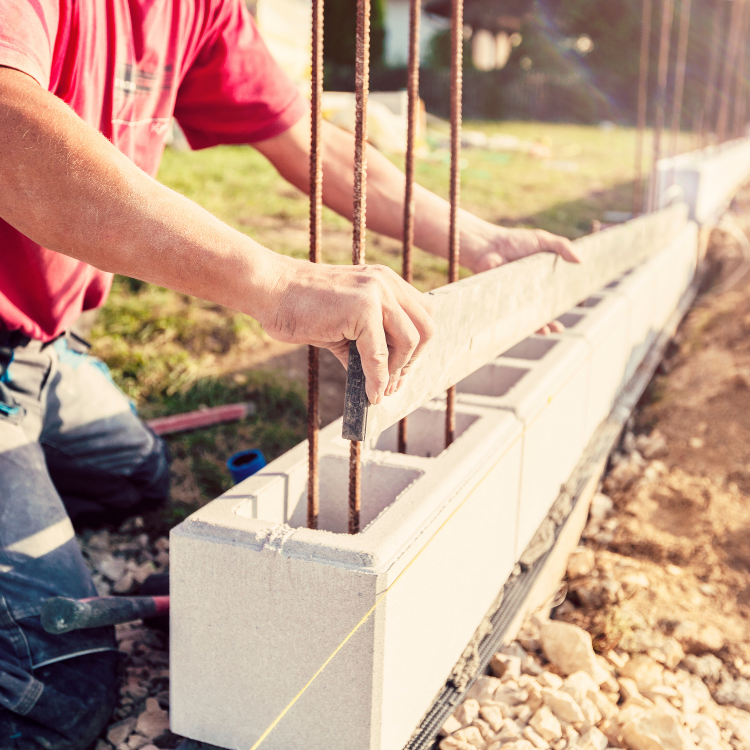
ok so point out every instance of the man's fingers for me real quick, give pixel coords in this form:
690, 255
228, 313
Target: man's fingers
561, 246
373, 351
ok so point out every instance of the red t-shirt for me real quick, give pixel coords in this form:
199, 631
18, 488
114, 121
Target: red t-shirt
126, 66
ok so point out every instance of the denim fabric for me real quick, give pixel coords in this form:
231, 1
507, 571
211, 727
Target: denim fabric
70, 445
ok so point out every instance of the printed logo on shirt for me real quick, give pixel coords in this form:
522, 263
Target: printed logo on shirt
132, 80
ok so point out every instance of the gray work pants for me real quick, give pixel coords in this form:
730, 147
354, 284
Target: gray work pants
70, 447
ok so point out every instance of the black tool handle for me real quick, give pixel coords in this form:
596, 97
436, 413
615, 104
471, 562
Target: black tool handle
61, 615
356, 402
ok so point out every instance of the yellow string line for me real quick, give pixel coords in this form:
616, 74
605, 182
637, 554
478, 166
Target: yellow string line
385, 593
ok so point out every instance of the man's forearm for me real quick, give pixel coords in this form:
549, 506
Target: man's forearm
385, 189
68, 188
483, 245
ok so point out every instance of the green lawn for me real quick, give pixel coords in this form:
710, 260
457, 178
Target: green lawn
171, 352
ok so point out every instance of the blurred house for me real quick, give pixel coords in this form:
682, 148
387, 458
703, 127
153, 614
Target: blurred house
493, 25
397, 32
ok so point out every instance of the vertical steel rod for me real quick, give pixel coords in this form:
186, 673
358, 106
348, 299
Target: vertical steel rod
745, 72
457, 48
415, 9
642, 101
739, 75
735, 28
316, 233
707, 118
679, 81
667, 10
361, 88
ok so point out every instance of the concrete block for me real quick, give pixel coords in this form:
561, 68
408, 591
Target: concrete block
706, 179
604, 321
259, 604
550, 399
675, 270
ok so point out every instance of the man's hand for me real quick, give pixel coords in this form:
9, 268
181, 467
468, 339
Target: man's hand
328, 306
492, 246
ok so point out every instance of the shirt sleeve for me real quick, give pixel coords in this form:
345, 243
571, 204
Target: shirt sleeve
28, 29
234, 91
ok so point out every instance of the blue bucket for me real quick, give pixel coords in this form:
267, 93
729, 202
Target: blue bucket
245, 463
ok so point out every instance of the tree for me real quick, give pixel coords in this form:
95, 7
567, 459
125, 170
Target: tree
339, 40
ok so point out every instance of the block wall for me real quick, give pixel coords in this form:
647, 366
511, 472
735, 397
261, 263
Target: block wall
259, 602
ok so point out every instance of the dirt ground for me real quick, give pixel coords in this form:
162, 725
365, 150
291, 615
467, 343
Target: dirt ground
677, 546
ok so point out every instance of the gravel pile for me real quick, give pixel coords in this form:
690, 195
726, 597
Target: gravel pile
119, 563
550, 689
673, 686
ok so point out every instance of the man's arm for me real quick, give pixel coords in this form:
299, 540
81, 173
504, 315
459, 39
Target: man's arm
68, 188
483, 245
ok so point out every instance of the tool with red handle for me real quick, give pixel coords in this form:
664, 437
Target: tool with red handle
61, 615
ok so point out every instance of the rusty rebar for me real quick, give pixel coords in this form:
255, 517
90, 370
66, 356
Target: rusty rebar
679, 81
667, 11
706, 115
739, 76
316, 235
454, 247
412, 115
745, 88
735, 29
361, 89
642, 101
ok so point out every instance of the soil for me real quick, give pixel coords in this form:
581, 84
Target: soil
685, 523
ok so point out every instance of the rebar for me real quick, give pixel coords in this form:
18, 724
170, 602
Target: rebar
412, 115
745, 89
642, 101
667, 11
454, 248
316, 234
735, 29
739, 76
361, 89
679, 81
707, 119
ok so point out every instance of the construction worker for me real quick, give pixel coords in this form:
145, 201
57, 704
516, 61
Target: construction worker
87, 92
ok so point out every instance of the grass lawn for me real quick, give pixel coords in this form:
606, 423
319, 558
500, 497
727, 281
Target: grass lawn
171, 353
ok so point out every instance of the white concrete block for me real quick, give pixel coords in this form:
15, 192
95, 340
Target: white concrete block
551, 400
604, 321
705, 179
675, 270
258, 605
639, 289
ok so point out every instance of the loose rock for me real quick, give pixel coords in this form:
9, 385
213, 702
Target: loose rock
563, 706
581, 562
644, 671
734, 693
656, 730
569, 648
544, 723
466, 712
118, 733
699, 639
594, 739
707, 667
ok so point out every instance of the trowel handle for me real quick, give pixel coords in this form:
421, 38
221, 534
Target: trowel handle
61, 615
356, 402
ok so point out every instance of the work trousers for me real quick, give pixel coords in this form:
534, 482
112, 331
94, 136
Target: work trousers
71, 446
